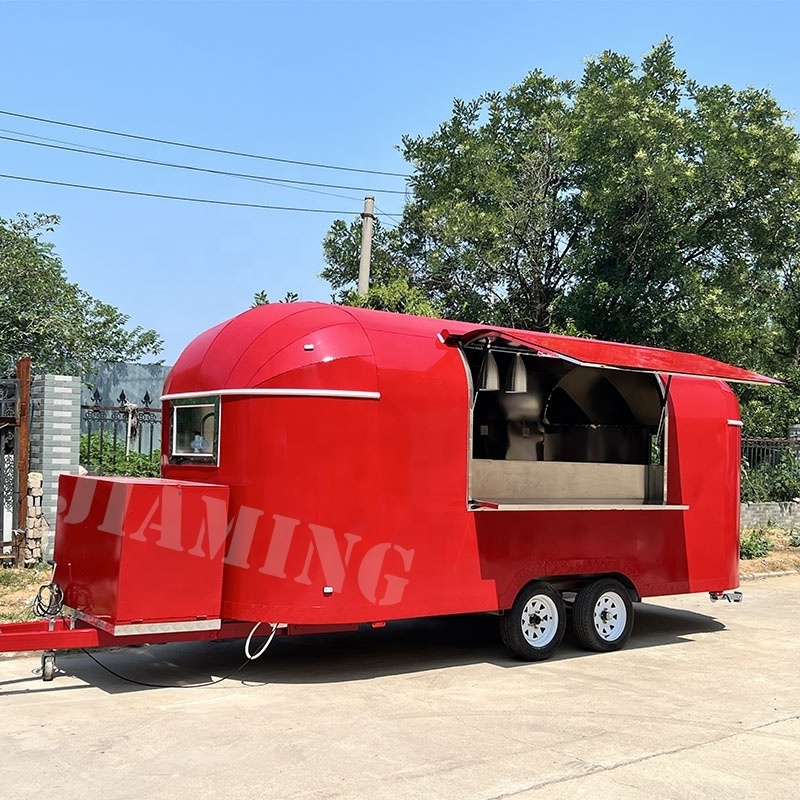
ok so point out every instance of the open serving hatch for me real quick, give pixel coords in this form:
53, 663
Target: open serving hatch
565, 422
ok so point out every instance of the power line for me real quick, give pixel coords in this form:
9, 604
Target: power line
176, 197
391, 221
118, 153
200, 147
57, 141
226, 173
387, 214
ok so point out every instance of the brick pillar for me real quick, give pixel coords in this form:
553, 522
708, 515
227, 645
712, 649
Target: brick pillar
36, 528
55, 441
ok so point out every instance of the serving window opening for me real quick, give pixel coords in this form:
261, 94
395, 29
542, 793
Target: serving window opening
546, 430
194, 431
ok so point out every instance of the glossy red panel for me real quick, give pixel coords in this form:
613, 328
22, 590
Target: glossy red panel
264, 346
137, 550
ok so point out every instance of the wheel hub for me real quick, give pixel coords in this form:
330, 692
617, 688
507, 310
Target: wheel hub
539, 620
610, 616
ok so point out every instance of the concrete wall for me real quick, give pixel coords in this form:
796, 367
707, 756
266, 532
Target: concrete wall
135, 380
783, 515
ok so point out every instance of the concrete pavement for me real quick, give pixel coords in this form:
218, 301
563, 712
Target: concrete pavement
703, 702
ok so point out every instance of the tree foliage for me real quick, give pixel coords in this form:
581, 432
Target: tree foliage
261, 298
101, 457
62, 327
634, 204
390, 286
685, 190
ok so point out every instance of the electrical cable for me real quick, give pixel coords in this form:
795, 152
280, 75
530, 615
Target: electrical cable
49, 601
383, 213
266, 644
56, 141
94, 150
164, 685
177, 197
247, 660
201, 147
226, 173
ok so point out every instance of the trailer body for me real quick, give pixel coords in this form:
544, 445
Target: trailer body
325, 467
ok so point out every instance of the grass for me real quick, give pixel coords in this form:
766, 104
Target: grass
769, 549
17, 588
755, 543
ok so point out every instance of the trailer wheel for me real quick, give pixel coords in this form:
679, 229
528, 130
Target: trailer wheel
534, 627
48, 666
603, 615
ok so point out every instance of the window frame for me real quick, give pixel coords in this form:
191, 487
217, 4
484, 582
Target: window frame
198, 459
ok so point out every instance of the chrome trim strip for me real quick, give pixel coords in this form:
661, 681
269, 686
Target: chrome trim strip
147, 628
735, 423
347, 393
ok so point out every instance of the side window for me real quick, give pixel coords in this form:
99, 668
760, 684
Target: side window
194, 431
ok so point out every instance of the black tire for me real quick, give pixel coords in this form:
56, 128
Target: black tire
603, 615
534, 627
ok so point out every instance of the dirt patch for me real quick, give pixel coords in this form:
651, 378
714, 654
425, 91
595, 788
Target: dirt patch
17, 588
781, 558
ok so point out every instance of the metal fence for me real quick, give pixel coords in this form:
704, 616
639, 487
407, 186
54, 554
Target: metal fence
9, 419
760, 450
123, 439
8, 494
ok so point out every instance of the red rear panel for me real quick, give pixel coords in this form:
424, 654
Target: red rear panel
141, 550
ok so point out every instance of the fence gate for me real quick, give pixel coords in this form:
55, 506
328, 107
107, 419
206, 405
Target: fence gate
124, 439
9, 486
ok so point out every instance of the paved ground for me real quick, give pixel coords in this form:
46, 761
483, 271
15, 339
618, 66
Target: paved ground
704, 702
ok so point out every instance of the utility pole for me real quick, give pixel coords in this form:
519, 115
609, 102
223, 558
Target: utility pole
366, 245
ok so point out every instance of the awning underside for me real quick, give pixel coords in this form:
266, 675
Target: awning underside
612, 355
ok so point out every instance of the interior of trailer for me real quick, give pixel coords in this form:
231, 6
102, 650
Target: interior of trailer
547, 430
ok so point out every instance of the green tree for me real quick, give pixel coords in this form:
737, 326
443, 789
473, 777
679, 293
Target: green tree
635, 204
100, 457
62, 327
391, 282
686, 191
492, 218
261, 298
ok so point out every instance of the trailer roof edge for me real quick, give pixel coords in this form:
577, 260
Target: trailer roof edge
613, 355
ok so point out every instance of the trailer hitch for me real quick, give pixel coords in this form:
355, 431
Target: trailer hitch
731, 597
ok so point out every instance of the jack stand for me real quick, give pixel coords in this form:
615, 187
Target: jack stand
48, 665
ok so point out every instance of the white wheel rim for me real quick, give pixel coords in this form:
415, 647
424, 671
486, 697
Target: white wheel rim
610, 616
539, 620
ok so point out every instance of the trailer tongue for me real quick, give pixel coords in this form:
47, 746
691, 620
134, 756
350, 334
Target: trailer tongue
137, 561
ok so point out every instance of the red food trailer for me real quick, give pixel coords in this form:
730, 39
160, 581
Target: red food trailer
325, 467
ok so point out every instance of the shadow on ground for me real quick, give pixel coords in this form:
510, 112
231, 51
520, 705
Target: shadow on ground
400, 648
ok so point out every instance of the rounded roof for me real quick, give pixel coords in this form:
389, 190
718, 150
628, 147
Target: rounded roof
280, 345
324, 346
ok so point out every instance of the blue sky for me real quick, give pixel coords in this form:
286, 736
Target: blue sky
334, 82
